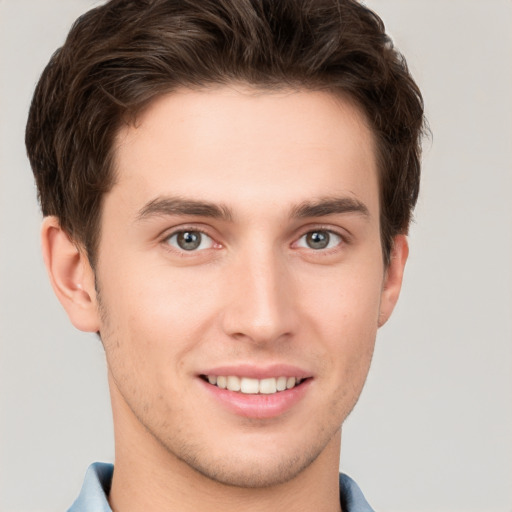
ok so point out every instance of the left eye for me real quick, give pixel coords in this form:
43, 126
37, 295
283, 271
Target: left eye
320, 239
190, 241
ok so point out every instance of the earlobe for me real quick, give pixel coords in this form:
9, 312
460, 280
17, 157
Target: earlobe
393, 278
71, 275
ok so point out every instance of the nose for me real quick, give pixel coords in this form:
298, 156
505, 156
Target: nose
259, 300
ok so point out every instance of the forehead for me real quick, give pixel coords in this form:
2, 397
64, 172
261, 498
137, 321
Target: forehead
248, 146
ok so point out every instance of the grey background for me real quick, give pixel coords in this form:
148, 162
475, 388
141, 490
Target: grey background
433, 429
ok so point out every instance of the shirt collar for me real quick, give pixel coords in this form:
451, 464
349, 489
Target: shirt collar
95, 489
351, 497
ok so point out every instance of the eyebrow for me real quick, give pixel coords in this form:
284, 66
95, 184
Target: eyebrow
164, 206
330, 206
167, 206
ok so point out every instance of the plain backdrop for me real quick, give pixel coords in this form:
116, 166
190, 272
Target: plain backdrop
433, 429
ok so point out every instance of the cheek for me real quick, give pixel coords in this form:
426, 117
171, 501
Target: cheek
346, 301
345, 317
152, 317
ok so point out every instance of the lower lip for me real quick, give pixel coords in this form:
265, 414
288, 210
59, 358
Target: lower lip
258, 406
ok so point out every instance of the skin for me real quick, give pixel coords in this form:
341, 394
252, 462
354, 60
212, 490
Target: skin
254, 293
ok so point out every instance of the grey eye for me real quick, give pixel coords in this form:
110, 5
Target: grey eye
321, 239
318, 239
190, 240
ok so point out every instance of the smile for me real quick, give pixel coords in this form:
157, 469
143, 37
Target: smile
252, 386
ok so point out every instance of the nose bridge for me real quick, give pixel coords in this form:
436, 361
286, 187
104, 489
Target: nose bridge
260, 306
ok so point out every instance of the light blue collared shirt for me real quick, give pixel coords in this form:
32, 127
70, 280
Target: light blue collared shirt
96, 486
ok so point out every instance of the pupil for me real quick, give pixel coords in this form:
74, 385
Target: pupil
317, 239
189, 240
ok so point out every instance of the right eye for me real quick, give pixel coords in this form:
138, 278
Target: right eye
190, 240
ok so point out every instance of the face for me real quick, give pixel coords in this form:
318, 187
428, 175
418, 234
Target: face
241, 280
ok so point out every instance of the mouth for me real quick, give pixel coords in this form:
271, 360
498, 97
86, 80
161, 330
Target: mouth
258, 392
252, 386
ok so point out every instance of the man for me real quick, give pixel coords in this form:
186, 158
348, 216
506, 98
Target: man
227, 187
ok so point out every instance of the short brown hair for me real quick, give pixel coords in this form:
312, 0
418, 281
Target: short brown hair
120, 56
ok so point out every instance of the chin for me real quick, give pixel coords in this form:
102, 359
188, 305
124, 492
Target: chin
252, 466
255, 474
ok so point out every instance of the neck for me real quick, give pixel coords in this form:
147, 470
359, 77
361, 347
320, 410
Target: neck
139, 484
149, 478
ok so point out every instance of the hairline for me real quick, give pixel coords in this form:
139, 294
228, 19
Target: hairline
131, 118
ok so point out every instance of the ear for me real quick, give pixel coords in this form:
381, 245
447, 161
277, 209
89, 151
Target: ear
71, 276
393, 278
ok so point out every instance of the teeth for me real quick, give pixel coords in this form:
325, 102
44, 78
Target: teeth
233, 383
253, 386
268, 386
222, 382
290, 382
281, 383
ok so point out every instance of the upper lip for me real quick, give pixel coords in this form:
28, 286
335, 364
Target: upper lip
258, 372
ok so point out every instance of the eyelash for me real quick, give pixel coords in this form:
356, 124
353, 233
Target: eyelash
184, 252
344, 240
